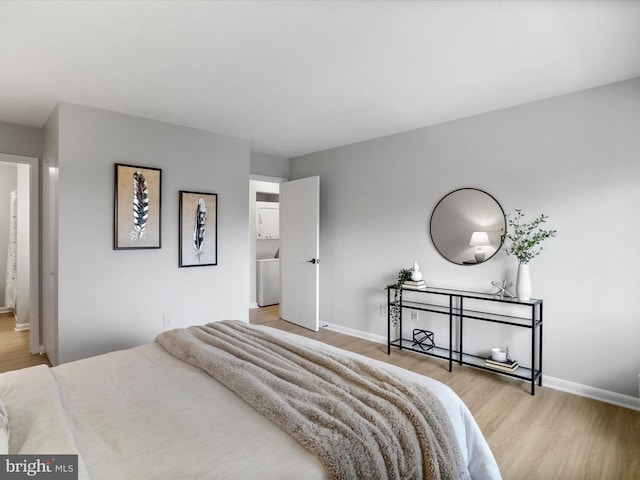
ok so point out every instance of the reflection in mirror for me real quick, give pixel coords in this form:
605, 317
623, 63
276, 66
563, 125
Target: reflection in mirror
468, 226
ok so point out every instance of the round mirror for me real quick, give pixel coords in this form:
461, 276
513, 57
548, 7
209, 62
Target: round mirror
468, 226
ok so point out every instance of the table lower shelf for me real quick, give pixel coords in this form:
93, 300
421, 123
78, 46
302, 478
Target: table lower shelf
407, 344
523, 373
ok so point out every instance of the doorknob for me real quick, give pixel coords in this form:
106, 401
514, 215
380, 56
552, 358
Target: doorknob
314, 260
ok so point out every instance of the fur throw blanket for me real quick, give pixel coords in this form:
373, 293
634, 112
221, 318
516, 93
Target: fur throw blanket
361, 421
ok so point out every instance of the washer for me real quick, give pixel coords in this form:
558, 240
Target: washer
268, 279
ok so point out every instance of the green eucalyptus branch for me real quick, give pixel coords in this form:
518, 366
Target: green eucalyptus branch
525, 238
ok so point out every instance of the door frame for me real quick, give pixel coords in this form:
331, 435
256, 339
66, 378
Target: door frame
35, 320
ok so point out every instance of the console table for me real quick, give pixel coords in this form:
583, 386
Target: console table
452, 304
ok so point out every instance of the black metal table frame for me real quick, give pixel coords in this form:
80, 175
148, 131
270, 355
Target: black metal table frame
457, 296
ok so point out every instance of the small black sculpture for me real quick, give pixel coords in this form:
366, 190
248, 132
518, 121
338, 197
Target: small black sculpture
423, 339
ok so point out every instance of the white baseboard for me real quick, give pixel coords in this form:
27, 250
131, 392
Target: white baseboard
253, 305
355, 333
591, 392
22, 326
6, 310
606, 396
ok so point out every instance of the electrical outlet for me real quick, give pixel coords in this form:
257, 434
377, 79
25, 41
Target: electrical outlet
414, 315
383, 309
166, 320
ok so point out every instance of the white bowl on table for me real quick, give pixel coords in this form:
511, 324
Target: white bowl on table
499, 354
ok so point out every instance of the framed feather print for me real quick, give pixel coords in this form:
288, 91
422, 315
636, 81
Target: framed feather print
198, 237
137, 207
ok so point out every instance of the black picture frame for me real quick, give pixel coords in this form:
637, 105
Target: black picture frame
198, 229
137, 213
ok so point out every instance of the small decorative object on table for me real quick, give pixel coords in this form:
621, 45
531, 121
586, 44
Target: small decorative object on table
498, 354
416, 282
525, 239
416, 274
411, 285
501, 360
509, 366
502, 289
423, 339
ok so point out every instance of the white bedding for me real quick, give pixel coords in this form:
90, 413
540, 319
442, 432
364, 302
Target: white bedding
141, 413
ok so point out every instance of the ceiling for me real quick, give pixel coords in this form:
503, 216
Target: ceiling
295, 77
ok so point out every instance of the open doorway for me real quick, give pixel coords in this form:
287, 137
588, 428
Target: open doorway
264, 241
19, 245
298, 245
8, 237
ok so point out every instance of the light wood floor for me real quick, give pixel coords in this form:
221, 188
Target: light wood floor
14, 346
552, 435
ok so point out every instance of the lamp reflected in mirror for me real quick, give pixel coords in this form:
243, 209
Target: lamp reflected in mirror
480, 240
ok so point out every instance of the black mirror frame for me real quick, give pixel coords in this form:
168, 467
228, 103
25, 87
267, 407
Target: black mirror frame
502, 236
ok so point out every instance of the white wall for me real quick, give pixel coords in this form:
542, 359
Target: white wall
21, 140
112, 299
573, 158
269, 165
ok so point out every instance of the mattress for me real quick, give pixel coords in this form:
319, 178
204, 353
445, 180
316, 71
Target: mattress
143, 414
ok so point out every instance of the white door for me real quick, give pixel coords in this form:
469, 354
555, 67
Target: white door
299, 250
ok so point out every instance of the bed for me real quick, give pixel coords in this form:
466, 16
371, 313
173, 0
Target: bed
146, 413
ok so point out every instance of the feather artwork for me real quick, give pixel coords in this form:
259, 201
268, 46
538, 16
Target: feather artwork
199, 229
140, 205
